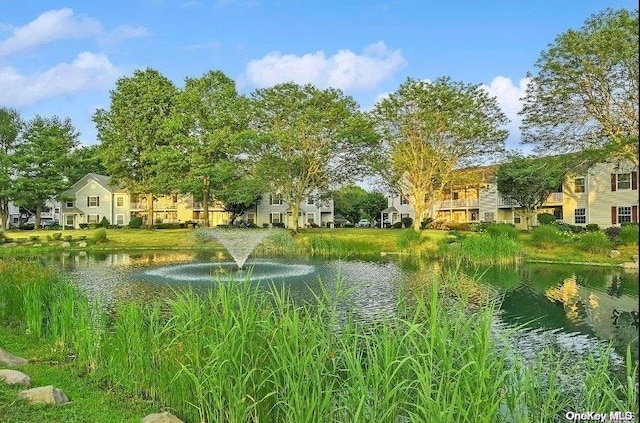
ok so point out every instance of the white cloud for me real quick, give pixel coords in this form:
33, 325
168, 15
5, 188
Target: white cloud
509, 98
87, 72
49, 26
124, 32
345, 69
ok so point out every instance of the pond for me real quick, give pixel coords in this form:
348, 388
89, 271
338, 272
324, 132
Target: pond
572, 308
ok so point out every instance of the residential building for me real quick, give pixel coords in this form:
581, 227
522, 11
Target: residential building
272, 209
605, 194
49, 214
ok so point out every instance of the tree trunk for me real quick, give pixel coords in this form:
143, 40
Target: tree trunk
4, 212
418, 210
38, 214
295, 212
150, 211
205, 205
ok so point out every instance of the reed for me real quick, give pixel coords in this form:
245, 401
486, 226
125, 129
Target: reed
500, 249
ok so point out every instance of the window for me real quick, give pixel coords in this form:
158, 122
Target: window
93, 201
311, 219
119, 201
580, 216
276, 199
93, 218
624, 214
69, 204
624, 181
251, 218
69, 220
275, 218
517, 220
119, 219
578, 185
456, 195
488, 217
310, 201
403, 200
46, 209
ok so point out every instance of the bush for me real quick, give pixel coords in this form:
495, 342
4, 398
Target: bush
479, 226
565, 227
592, 227
26, 227
265, 225
83, 225
613, 233
594, 242
135, 223
68, 238
407, 222
546, 218
629, 234
454, 226
100, 236
397, 225
56, 236
34, 238
104, 223
439, 224
546, 236
426, 222
2, 237
168, 226
497, 229
278, 224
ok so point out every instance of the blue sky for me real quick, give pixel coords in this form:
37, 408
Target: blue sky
62, 57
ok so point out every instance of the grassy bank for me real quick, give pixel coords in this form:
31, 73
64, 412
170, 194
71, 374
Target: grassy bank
237, 355
341, 243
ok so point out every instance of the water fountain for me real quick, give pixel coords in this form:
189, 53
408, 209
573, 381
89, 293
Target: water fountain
239, 243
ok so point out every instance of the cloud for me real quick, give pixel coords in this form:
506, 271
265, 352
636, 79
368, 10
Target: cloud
49, 26
345, 69
509, 98
122, 33
88, 71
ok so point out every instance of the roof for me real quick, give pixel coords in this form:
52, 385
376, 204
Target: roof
390, 210
100, 179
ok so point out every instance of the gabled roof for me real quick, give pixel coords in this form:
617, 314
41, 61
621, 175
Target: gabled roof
102, 180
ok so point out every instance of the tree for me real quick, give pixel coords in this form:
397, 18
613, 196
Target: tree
428, 129
133, 134
529, 181
373, 204
585, 94
85, 159
307, 141
10, 126
42, 161
348, 200
206, 123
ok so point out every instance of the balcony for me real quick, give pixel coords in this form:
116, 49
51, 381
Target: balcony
554, 198
507, 202
457, 204
157, 205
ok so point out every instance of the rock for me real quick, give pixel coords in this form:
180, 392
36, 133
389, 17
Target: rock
165, 417
14, 377
37, 245
11, 360
614, 254
44, 395
82, 244
65, 244
634, 258
630, 265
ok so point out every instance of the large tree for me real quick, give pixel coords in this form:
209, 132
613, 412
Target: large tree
42, 161
530, 180
206, 150
585, 93
428, 129
85, 159
10, 127
348, 200
133, 133
308, 141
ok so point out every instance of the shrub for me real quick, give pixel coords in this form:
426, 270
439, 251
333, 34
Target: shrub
83, 225
629, 234
546, 218
56, 236
68, 238
26, 227
454, 226
546, 236
2, 237
426, 222
397, 225
168, 226
439, 224
278, 224
407, 222
104, 223
497, 229
565, 227
34, 238
265, 225
592, 227
594, 242
613, 232
100, 235
135, 222
479, 226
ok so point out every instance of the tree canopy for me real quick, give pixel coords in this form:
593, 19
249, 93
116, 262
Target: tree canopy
584, 95
11, 125
428, 129
529, 181
133, 133
307, 141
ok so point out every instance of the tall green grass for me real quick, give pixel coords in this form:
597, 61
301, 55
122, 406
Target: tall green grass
496, 249
239, 354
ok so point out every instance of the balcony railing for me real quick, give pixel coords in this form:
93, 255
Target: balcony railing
457, 204
502, 201
162, 205
555, 197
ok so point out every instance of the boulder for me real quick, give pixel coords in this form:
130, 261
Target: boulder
11, 360
14, 377
82, 244
614, 254
65, 244
44, 395
634, 258
164, 417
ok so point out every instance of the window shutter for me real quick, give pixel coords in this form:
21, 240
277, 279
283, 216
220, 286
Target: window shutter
98, 201
613, 182
88, 198
614, 215
634, 180
634, 214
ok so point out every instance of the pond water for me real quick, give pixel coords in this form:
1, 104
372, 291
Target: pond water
573, 308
